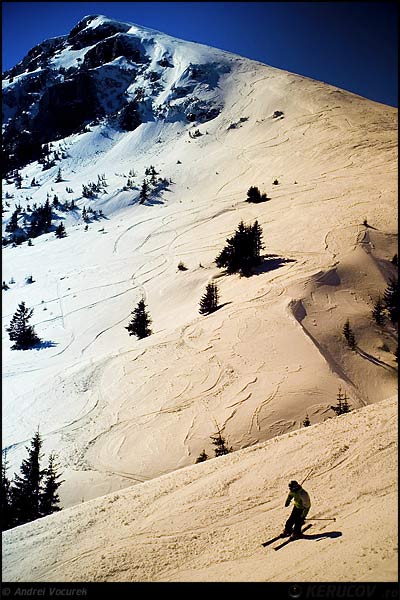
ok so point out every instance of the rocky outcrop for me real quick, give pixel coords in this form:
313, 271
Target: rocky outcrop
66, 106
82, 36
113, 47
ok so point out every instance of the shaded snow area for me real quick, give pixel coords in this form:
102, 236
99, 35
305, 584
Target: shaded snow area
207, 522
122, 412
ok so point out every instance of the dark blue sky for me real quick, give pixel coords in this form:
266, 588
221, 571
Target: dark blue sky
353, 45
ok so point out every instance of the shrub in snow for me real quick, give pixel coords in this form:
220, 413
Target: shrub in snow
254, 195
202, 457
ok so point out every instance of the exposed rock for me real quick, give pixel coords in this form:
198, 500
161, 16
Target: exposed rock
113, 47
82, 35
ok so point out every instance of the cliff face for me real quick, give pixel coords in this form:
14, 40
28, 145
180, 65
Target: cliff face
101, 69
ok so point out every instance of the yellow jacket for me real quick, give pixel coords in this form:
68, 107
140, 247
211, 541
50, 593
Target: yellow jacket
300, 499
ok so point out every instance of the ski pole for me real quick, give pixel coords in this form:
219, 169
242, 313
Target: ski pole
307, 476
331, 519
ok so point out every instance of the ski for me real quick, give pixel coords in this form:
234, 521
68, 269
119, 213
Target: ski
272, 540
290, 539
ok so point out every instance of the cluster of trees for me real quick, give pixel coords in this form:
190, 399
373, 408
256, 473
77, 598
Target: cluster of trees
342, 407
89, 213
92, 189
151, 185
243, 249
140, 322
220, 447
254, 195
384, 308
48, 156
40, 220
388, 306
241, 254
34, 492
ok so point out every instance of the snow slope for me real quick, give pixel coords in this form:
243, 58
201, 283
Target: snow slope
119, 411
207, 522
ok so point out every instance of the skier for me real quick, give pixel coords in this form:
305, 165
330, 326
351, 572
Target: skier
301, 501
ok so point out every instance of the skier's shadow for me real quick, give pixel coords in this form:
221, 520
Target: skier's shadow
321, 536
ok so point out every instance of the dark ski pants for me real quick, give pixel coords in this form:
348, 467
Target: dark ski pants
295, 521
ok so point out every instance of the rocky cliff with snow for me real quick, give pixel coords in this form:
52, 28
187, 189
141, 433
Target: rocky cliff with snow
104, 70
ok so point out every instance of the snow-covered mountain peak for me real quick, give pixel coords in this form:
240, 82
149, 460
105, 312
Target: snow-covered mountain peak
119, 72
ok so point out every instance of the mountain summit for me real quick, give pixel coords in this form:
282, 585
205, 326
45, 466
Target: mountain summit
132, 160
104, 70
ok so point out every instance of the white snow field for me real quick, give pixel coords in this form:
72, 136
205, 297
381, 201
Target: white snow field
122, 412
207, 522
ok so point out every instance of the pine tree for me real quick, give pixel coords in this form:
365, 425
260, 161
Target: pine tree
60, 231
342, 406
139, 325
144, 192
25, 489
49, 499
6, 506
391, 299
256, 233
59, 176
12, 225
18, 180
349, 335
209, 302
242, 252
377, 312
20, 331
202, 457
219, 443
306, 422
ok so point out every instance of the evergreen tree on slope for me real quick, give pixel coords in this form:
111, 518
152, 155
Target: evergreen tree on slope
6, 508
209, 302
20, 332
25, 489
49, 499
140, 322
